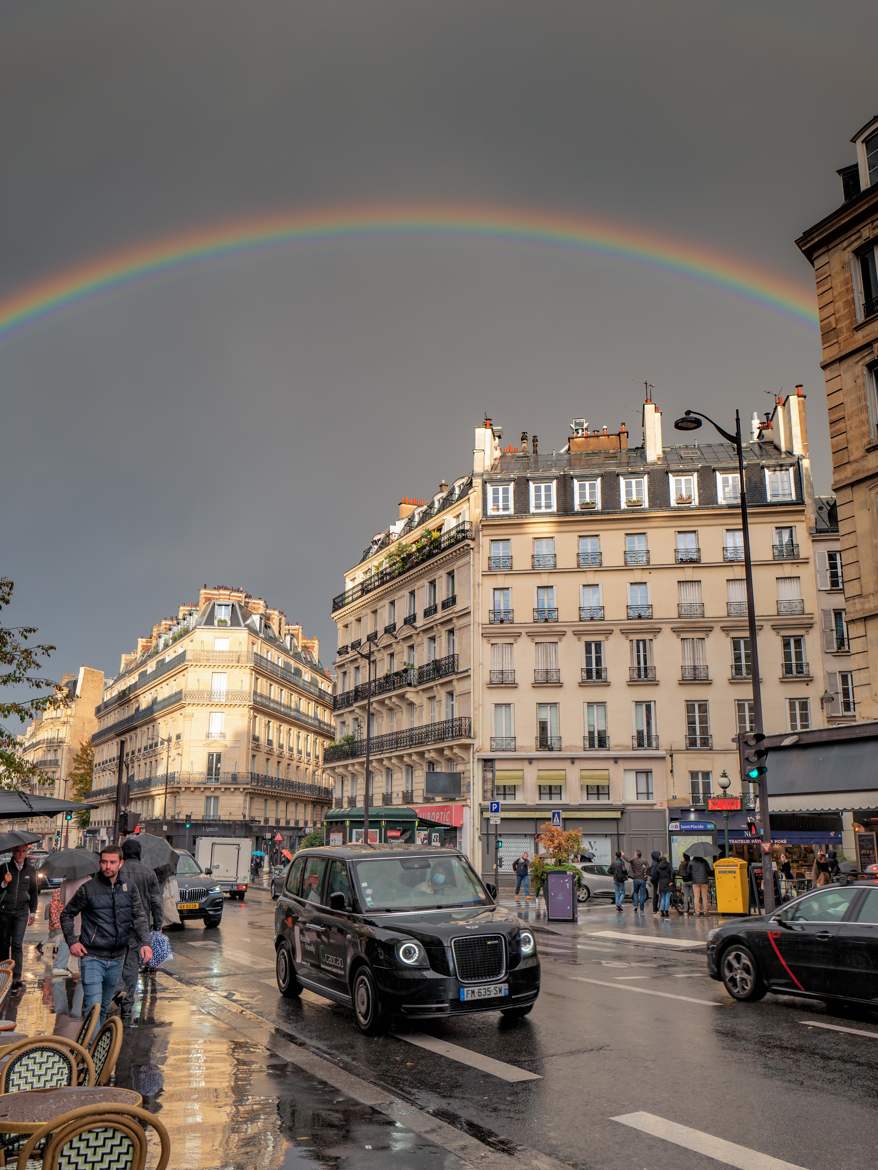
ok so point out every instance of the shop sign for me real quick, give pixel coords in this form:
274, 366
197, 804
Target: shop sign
723, 804
443, 814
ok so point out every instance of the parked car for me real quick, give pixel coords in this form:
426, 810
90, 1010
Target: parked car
278, 877
823, 945
597, 882
200, 896
406, 929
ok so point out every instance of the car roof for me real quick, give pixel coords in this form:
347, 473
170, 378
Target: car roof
375, 852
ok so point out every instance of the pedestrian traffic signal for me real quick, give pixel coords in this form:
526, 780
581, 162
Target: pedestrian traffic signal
754, 756
752, 828
68, 816
498, 843
189, 820
123, 822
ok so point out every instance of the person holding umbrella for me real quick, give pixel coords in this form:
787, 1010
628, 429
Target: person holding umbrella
145, 882
701, 869
18, 899
75, 866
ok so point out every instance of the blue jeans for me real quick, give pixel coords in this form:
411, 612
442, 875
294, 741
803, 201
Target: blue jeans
522, 879
665, 901
619, 893
100, 978
638, 896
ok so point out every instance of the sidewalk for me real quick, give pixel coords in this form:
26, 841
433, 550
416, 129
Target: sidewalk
596, 918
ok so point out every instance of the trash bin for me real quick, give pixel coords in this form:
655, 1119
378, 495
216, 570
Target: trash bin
560, 890
732, 889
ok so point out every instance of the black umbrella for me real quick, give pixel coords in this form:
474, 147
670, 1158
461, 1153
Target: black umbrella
704, 849
154, 851
71, 863
18, 805
14, 839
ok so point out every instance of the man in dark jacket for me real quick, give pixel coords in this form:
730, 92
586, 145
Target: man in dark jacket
521, 869
145, 882
112, 915
655, 858
619, 871
18, 907
638, 872
701, 870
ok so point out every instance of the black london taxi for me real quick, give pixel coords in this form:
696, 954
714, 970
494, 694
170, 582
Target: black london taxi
407, 930
822, 945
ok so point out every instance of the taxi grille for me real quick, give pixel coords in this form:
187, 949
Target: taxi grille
479, 958
195, 894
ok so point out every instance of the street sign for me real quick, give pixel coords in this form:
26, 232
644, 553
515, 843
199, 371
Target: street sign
723, 804
494, 819
557, 822
494, 808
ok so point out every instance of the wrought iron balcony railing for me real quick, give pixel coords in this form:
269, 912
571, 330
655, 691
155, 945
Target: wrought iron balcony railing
695, 673
426, 733
545, 614
690, 609
503, 743
687, 556
791, 605
498, 617
410, 556
786, 551
549, 675
641, 673
639, 611
548, 743
593, 674
501, 678
595, 741
588, 560
499, 564
591, 613
544, 561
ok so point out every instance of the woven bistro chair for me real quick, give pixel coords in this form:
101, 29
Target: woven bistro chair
49, 1062
89, 1026
105, 1049
6, 967
95, 1137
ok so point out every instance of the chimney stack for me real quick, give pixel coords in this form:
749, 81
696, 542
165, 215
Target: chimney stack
652, 429
407, 505
535, 445
524, 442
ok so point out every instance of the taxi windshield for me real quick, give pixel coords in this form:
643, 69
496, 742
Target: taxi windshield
418, 883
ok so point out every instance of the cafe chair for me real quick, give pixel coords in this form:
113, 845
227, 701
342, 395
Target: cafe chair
49, 1062
6, 968
89, 1026
105, 1049
96, 1137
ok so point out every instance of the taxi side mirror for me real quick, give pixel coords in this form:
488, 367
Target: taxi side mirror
338, 901
492, 890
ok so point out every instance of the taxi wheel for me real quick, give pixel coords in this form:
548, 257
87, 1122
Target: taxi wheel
740, 974
369, 1012
285, 973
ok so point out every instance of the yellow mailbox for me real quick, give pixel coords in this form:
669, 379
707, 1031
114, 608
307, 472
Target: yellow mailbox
732, 889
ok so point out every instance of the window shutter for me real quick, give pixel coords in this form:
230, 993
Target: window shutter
822, 564
833, 686
827, 624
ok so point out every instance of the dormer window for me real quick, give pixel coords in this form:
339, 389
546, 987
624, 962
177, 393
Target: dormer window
728, 487
684, 491
779, 485
542, 496
866, 142
499, 499
222, 613
588, 494
633, 492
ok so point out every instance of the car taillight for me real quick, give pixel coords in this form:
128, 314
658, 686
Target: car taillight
241, 887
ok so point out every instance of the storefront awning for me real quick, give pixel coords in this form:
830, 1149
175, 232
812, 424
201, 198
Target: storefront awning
822, 802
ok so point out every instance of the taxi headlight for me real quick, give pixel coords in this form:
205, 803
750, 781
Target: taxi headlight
411, 954
527, 942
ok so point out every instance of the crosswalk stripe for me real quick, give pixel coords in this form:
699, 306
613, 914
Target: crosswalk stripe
729, 1153
477, 1060
644, 990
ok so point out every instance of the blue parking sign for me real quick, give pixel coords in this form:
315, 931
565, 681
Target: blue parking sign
494, 807
556, 819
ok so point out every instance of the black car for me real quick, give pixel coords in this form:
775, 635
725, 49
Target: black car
405, 930
823, 944
200, 896
37, 858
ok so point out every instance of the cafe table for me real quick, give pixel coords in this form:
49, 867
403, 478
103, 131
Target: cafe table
27, 1112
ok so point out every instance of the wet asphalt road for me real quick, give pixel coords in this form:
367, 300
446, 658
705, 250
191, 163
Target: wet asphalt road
622, 1028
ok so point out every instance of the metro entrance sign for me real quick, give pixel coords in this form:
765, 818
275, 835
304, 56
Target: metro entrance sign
724, 804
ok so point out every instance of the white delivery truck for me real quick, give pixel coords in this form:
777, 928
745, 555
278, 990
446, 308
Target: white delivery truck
228, 861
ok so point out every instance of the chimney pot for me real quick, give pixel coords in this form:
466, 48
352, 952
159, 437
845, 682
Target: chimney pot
443, 486
524, 442
535, 445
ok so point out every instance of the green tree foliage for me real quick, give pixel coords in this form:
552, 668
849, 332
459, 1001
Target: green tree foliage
81, 775
21, 661
311, 840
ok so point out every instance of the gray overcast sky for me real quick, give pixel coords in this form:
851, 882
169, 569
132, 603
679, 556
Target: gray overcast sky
255, 419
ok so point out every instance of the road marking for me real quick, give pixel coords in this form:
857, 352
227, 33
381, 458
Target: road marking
683, 943
496, 1068
729, 1153
690, 975
644, 991
838, 1028
633, 976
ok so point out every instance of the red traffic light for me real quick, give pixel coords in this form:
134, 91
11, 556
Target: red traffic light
752, 828
138, 828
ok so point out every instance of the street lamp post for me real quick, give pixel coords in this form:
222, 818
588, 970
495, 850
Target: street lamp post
724, 783
167, 743
691, 421
368, 657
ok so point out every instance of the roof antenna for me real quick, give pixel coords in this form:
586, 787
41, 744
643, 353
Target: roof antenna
648, 387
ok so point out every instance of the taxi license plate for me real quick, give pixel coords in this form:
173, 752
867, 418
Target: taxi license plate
187, 906
490, 991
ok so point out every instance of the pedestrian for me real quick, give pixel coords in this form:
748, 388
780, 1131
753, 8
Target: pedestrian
18, 907
619, 871
684, 871
701, 871
653, 877
821, 874
62, 964
834, 867
112, 915
145, 882
521, 869
637, 867
664, 878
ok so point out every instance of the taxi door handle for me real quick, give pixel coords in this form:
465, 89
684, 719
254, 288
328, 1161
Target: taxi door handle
823, 935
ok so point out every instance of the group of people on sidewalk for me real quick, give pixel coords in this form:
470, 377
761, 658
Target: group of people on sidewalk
693, 872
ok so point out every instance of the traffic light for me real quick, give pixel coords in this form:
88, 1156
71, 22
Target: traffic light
752, 828
754, 756
498, 843
123, 822
138, 828
188, 820
68, 817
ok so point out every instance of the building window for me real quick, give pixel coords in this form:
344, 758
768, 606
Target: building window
214, 765
546, 668
218, 685
544, 553
551, 792
431, 649
597, 792
779, 484
846, 699
835, 631
741, 667
633, 491
211, 808
795, 664
506, 792
450, 642
699, 787
690, 602
694, 665
589, 551
216, 721
645, 735
593, 669
687, 550
638, 600
546, 609
799, 714
591, 607
412, 603
733, 545
222, 613
865, 274
503, 739
643, 789
636, 549
596, 735
391, 613
499, 499
501, 605
642, 665
450, 584
745, 715
431, 595
500, 555
789, 595
785, 547
542, 496
830, 574
408, 778
697, 724
587, 494
502, 669
684, 491
728, 487
736, 597
548, 727
449, 705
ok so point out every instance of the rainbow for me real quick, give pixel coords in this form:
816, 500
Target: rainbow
587, 233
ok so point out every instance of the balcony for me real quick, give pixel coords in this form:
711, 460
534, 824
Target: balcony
343, 649
636, 556
500, 617
408, 796
787, 551
644, 741
352, 802
698, 673
544, 561
430, 610
143, 679
593, 674
356, 644
449, 602
591, 613
589, 560
293, 713
386, 798
641, 673
796, 670
639, 611
548, 743
394, 741
733, 552
501, 678
216, 735
690, 609
410, 619
696, 742
503, 743
547, 677
736, 608
407, 676
409, 557
792, 605
372, 636
595, 741
136, 717
390, 628
545, 614
499, 564
292, 677
688, 556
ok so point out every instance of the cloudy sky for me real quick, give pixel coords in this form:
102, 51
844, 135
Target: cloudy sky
254, 419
